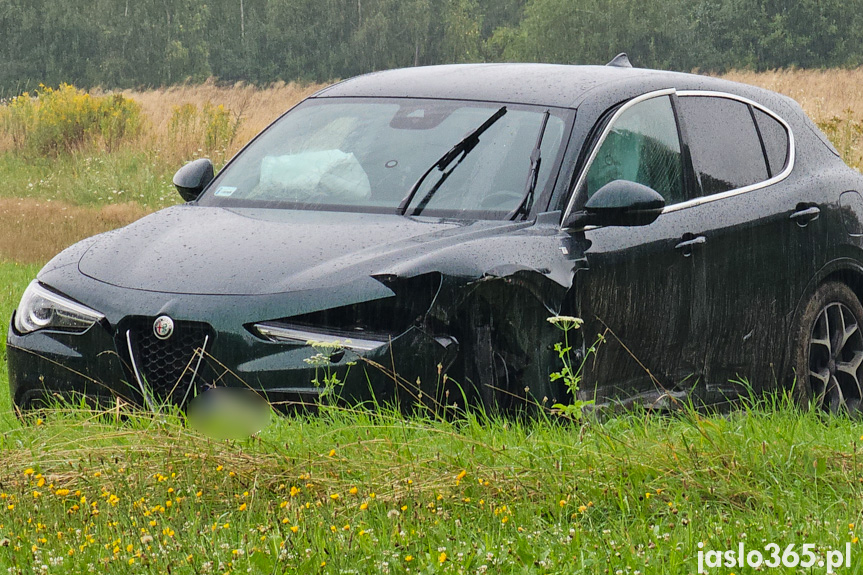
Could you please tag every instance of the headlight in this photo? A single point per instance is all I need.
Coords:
(41, 308)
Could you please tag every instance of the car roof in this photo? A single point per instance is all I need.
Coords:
(538, 84)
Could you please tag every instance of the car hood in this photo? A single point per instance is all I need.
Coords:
(203, 250)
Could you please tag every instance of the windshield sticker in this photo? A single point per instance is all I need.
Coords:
(225, 191)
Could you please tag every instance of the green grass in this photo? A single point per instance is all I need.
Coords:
(360, 492)
(91, 179)
(636, 493)
(14, 278)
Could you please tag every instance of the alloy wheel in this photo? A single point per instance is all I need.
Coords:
(835, 359)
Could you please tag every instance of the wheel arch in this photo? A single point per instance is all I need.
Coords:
(846, 271)
(504, 320)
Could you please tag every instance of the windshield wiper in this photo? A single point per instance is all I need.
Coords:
(462, 149)
(535, 162)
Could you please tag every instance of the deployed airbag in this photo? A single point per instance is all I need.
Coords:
(299, 176)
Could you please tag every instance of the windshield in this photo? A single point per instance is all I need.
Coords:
(348, 154)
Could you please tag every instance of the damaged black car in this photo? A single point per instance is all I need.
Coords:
(408, 234)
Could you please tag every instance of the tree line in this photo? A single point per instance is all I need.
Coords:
(140, 43)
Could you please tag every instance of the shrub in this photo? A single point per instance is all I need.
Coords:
(209, 129)
(54, 121)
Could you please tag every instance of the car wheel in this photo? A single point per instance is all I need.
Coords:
(828, 351)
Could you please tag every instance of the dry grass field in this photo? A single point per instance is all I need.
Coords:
(832, 98)
(32, 231)
(251, 108)
(824, 94)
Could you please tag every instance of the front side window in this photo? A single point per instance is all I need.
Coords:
(356, 154)
(643, 146)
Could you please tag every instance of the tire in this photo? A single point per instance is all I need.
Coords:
(828, 351)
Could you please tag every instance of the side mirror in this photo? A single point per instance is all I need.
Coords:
(619, 203)
(191, 179)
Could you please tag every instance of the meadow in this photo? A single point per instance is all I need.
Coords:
(358, 491)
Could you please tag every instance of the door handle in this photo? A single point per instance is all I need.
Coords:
(688, 244)
(804, 216)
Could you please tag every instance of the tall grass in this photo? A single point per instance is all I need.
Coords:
(34, 231)
(371, 492)
(185, 121)
(355, 491)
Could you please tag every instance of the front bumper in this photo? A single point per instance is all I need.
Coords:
(96, 365)
(110, 359)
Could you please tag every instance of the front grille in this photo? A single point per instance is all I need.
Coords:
(167, 366)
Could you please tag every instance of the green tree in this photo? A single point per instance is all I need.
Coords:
(462, 34)
(122, 43)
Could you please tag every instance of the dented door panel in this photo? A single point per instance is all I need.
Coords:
(637, 292)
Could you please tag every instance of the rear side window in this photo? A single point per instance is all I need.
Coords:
(642, 146)
(724, 144)
(775, 138)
